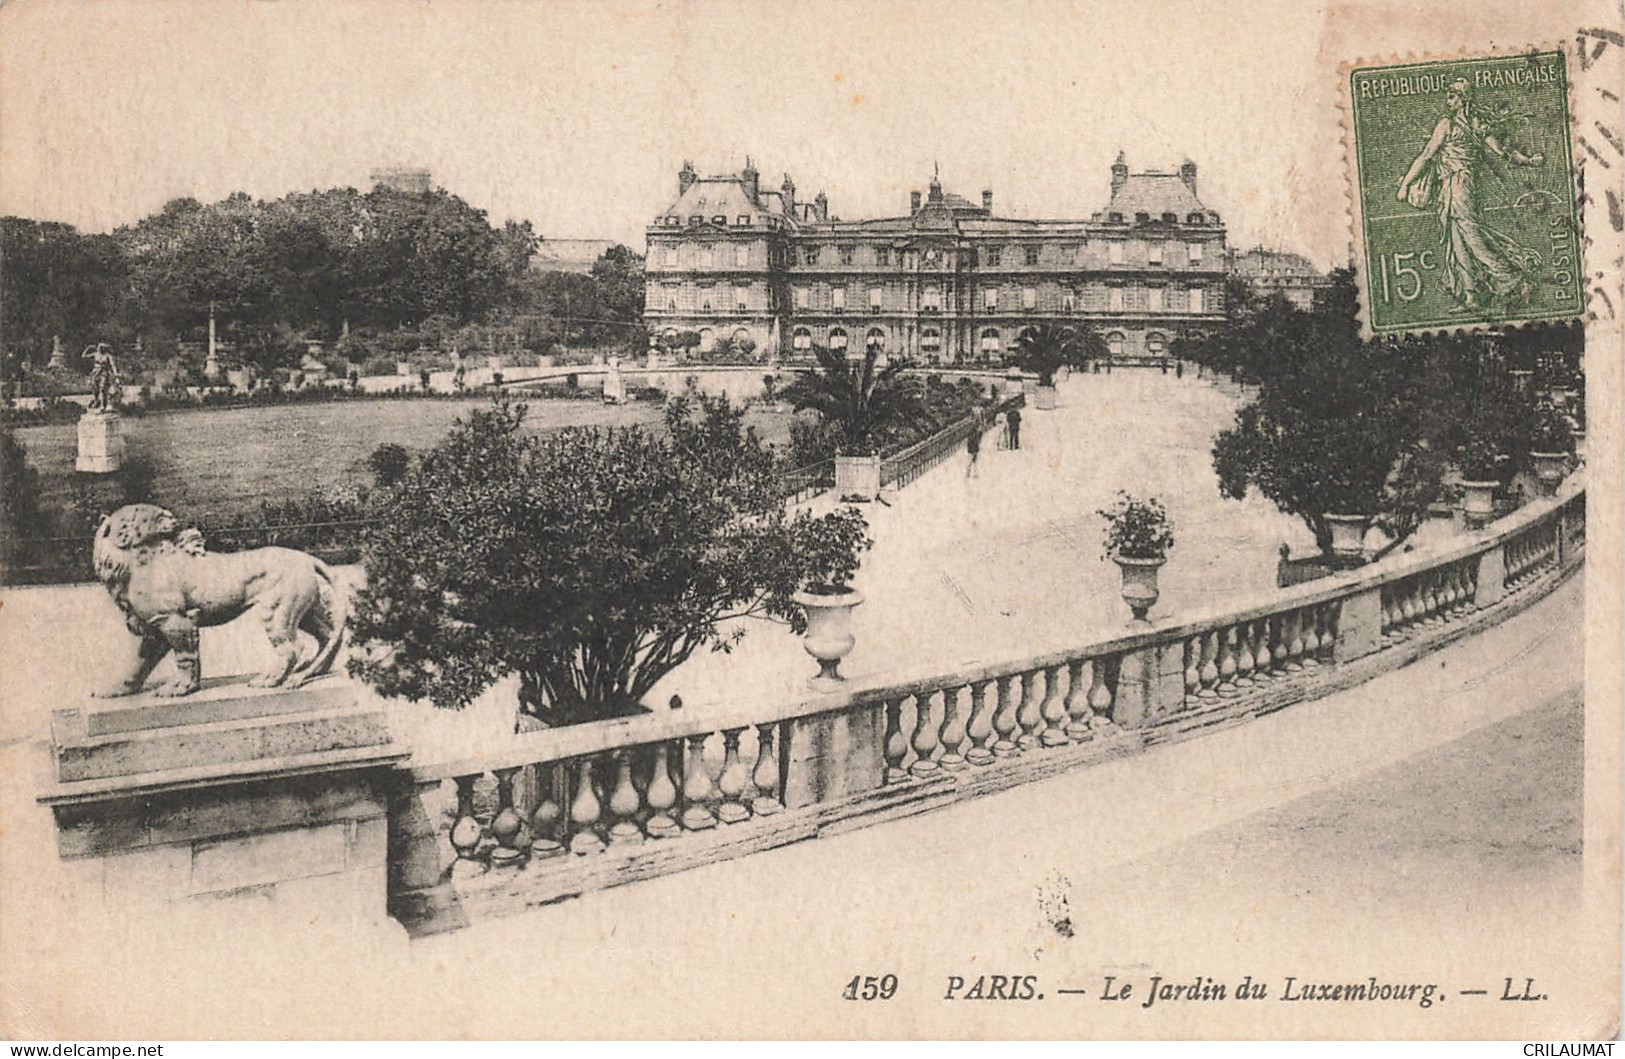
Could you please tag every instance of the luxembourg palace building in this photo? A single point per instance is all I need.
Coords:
(950, 279)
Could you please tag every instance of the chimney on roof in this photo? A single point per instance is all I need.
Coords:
(821, 203)
(913, 202)
(1187, 173)
(751, 180)
(1119, 173)
(788, 190)
(987, 199)
(685, 178)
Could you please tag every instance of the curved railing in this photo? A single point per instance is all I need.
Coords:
(914, 461)
(656, 792)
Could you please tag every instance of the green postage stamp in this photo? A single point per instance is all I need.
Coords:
(1464, 193)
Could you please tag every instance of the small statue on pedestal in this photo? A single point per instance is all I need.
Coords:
(104, 377)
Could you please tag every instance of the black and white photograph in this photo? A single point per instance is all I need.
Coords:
(733, 520)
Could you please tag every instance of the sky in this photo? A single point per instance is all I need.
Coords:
(577, 116)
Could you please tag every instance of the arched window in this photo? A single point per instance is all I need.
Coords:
(740, 336)
(801, 339)
(837, 338)
(875, 340)
(990, 341)
(1156, 343)
(708, 340)
(931, 298)
(930, 340)
(1114, 343)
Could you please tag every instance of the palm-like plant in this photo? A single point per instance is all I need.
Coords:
(1046, 348)
(860, 401)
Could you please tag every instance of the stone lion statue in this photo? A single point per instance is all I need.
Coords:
(168, 587)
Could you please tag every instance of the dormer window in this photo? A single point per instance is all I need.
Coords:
(673, 221)
(1195, 218)
(696, 218)
(720, 218)
(1114, 217)
(846, 255)
(1142, 218)
(809, 255)
(993, 256)
(1169, 218)
(743, 220)
(1032, 255)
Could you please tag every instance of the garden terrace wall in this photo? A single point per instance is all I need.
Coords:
(559, 812)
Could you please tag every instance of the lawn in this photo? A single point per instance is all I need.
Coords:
(220, 463)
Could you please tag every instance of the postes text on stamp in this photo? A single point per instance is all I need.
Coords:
(1464, 192)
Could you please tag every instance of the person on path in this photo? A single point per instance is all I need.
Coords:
(1012, 422)
(973, 443)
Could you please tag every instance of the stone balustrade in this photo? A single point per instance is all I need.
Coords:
(561, 811)
(909, 464)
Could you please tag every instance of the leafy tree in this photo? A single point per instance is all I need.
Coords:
(590, 563)
(57, 281)
(857, 401)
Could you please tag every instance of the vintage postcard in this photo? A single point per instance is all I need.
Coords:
(874, 520)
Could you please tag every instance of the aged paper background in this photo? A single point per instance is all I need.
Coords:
(107, 109)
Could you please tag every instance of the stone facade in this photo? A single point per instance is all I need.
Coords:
(1270, 272)
(951, 279)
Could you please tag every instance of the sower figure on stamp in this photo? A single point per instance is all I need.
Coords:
(1480, 262)
(103, 376)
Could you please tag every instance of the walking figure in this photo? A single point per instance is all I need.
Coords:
(973, 443)
(1012, 424)
(103, 376)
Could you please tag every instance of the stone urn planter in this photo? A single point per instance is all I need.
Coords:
(1044, 398)
(1139, 584)
(857, 477)
(1550, 467)
(1348, 535)
(1478, 501)
(829, 632)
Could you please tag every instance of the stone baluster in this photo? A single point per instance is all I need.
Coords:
(1262, 658)
(1430, 598)
(980, 729)
(1076, 703)
(697, 788)
(1004, 720)
(1051, 711)
(765, 776)
(1100, 692)
(1245, 659)
(735, 777)
(896, 745)
(624, 803)
(585, 811)
(1308, 626)
(1193, 668)
(1406, 590)
(1227, 663)
(925, 737)
(507, 826)
(1028, 716)
(548, 815)
(1331, 613)
(662, 795)
(1209, 671)
(1390, 614)
(1291, 641)
(466, 832)
(953, 731)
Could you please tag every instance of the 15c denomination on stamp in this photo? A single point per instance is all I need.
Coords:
(1464, 192)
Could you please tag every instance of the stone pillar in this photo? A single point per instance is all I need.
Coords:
(231, 803)
(834, 755)
(59, 359)
(101, 443)
(211, 365)
(1359, 626)
(1150, 684)
(1492, 575)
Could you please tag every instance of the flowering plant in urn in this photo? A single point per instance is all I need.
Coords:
(828, 550)
(1138, 536)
